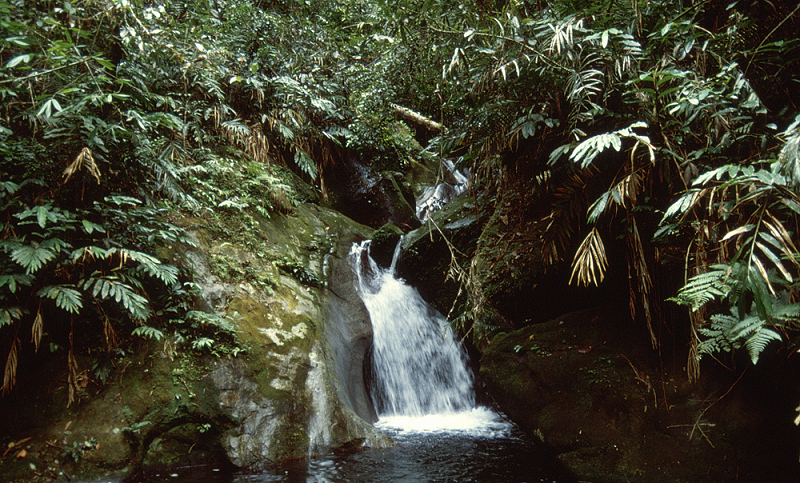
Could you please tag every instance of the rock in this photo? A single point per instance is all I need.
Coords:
(371, 197)
(384, 244)
(288, 382)
(425, 259)
(583, 384)
(300, 389)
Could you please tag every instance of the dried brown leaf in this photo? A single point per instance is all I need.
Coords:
(37, 329)
(10, 373)
(590, 262)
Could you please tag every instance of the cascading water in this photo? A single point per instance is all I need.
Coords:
(419, 366)
(421, 380)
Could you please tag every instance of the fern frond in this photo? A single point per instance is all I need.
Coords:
(66, 297)
(705, 287)
(757, 342)
(728, 332)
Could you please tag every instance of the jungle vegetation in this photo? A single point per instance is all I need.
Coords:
(669, 128)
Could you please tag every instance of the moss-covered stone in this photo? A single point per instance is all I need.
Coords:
(583, 384)
(279, 398)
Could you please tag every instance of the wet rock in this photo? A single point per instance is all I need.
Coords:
(585, 385)
(371, 197)
(384, 243)
(436, 196)
(288, 383)
(426, 251)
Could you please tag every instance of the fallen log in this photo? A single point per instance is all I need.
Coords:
(417, 118)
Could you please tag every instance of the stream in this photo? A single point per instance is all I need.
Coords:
(424, 394)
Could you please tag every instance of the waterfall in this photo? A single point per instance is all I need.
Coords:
(419, 366)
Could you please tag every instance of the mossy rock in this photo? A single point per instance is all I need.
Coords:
(585, 385)
(278, 398)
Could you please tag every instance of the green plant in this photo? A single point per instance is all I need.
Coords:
(78, 448)
(61, 257)
(749, 216)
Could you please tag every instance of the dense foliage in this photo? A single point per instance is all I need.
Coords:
(670, 128)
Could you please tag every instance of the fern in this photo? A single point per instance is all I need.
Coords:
(202, 343)
(66, 297)
(705, 287)
(727, 332)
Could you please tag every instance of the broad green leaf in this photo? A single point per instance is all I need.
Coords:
(15, 280)
(8, 315)
(66, 298)
(49, 108)
(148, 333)
(18, 60)
(90, 227)
(32, 258)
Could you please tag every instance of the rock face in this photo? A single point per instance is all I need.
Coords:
(371, 197)
(299, 390)
(292, 386)
(584, 385)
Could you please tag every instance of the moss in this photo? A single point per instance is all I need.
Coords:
(163, 391)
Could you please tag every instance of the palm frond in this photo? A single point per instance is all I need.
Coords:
(10, 372)
(590, 261)
(84, 158)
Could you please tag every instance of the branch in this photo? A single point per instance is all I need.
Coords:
(416, 117)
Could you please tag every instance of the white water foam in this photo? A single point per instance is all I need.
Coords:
(478, 421)
(422, 382)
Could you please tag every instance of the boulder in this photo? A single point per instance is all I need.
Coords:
(585, 384)
(286, 383)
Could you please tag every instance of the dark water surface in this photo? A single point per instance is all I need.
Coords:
(497, 452)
